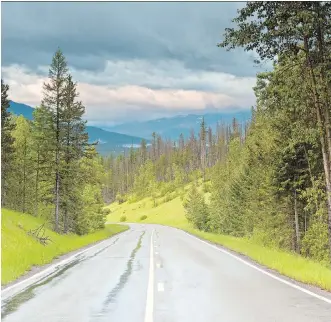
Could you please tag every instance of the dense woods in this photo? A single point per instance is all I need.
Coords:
(166, 165)
(48, 167)
(293, 119)
(269, 180)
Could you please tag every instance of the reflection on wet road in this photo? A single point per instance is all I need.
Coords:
(153, 273)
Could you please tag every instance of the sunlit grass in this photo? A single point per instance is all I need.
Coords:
(172, 213)
(20, 252)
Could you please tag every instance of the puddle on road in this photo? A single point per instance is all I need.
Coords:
(124, 277)
(13, 303)
(102, 249)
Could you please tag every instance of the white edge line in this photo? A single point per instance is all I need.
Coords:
(150, 289)
(263, 271)
(51, 268)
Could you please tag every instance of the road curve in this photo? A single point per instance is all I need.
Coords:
(153, 273)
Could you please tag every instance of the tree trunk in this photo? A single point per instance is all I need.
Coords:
(57, 162)
(65, 221)
(57, 200)
(24, 176)
(323, 138)
(37, 183)
(296, 221)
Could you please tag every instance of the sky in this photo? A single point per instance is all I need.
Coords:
(132, 61)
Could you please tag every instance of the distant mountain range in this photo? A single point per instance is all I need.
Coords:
(172, 127)
(121, 137)
(108, 141)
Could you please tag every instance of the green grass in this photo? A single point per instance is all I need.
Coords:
(172, 213)
(20, 252)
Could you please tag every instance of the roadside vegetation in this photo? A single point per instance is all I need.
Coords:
(20, 251)
(48, 168)
(51, 176)
(269, 180)
(262, 188)
(172, 213)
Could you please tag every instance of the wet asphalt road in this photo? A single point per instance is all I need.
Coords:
(153, 273)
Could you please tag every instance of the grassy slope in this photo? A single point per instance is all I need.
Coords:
(172, 213)
(19, 252)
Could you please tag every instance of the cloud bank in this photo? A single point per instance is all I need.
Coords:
(131, 60)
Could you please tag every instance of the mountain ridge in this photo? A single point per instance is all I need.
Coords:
(109, 141)
(172, 127)
(118, 138)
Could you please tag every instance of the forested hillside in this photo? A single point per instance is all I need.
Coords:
(269, 180)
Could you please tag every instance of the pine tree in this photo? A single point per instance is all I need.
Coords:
(203, 147)
(75, 140)
(7, 126)
(20, 191)
(90, 217)
(143, 151)
(43, 138)
(54, 94)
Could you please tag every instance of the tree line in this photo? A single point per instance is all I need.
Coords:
(270, 180)
(165, 165)
(276, 187)
(48, 167)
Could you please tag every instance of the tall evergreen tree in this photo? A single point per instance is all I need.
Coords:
(7, 126)
(43, 153)
(75, 140)
(21, 188)
(54, 95)
(203, 154)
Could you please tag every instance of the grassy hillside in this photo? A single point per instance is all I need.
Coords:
(172, 213)
(20, 252)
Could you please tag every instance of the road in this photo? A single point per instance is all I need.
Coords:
(153, 273)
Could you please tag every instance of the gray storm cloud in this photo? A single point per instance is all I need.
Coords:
(91, 33)
(129, 58)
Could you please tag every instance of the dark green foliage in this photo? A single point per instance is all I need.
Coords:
(53, 172)
(20, 192)
(54, 102)
(120, 199)
(296, 98)
(106, 211)
(7, 126)
(197, 209)
(74, 143)
(143, 217)
(123, 218)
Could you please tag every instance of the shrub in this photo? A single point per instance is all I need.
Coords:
(105, 211)
(123, 218)
(167, 197)
(143, 217)
(132, 199)
(206, 187)
(315, 242)
(155, 203)
(182, 195)
(196, 209)
(120, 199)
